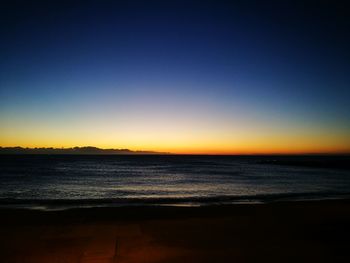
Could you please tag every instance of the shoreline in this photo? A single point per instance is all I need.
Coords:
(144, 212)
(215, 206)
(67, 204)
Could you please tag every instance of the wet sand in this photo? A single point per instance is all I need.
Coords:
(313, 231)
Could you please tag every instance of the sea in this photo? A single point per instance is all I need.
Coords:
(74, 181)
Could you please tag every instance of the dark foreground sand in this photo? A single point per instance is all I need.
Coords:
(317, 231)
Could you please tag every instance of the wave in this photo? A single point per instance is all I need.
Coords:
(52, 204)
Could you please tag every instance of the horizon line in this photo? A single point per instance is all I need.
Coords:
(125, 151)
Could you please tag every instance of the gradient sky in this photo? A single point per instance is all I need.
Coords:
(178, 76)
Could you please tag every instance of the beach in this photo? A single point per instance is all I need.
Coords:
(303, 231)
(174, 131)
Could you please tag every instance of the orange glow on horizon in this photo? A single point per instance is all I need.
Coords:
(241, 150)
(179, 136)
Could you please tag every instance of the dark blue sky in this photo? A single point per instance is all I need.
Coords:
(282, 62)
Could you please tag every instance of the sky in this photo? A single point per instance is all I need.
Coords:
(220, 77)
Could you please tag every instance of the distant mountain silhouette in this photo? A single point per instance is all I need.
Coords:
(74, 150)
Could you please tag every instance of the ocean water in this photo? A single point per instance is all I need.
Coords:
(52, 181)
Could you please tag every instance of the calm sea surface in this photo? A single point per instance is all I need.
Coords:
(70, 181)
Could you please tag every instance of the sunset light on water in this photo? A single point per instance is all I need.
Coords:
(174, 131)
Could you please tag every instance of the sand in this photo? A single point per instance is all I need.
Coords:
(313, 231)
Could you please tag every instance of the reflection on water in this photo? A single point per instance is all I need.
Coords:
(163, 179)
